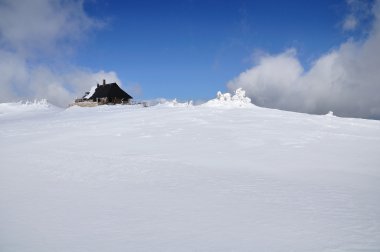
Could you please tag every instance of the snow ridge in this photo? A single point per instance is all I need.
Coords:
(174, 103)
(17, 107)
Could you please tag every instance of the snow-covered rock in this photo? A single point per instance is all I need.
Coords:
(238, 100)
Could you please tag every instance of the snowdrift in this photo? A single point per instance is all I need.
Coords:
(173, 103)
(22, 107)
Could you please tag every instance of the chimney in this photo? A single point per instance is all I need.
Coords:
(104, 82)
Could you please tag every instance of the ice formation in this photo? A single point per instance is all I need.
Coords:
(238, 100)
(330, 113)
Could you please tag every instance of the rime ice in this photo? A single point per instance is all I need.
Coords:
(238, 100)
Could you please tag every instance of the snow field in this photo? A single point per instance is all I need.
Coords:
(188, 178)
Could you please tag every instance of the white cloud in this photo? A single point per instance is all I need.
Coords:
(345, 80)
(135, 89)
(359, 10)
(350, 23)
(43, 25)
(32, 31)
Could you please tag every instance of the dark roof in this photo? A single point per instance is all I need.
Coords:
(111, 90)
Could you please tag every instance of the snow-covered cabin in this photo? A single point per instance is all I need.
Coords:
(105, 94)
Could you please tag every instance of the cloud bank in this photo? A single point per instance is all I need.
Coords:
(345, 80)
(359, 11)
(36, 39)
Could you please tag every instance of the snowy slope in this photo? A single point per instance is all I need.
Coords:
(188, 178)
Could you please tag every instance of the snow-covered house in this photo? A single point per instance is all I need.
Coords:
(105, 94)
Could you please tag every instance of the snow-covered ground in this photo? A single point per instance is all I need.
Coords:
(187, 178)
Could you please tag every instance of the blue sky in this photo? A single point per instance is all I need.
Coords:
(304, 56)
(191, 49)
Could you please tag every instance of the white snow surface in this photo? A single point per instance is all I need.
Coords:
(187, 178)
(91, 92)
